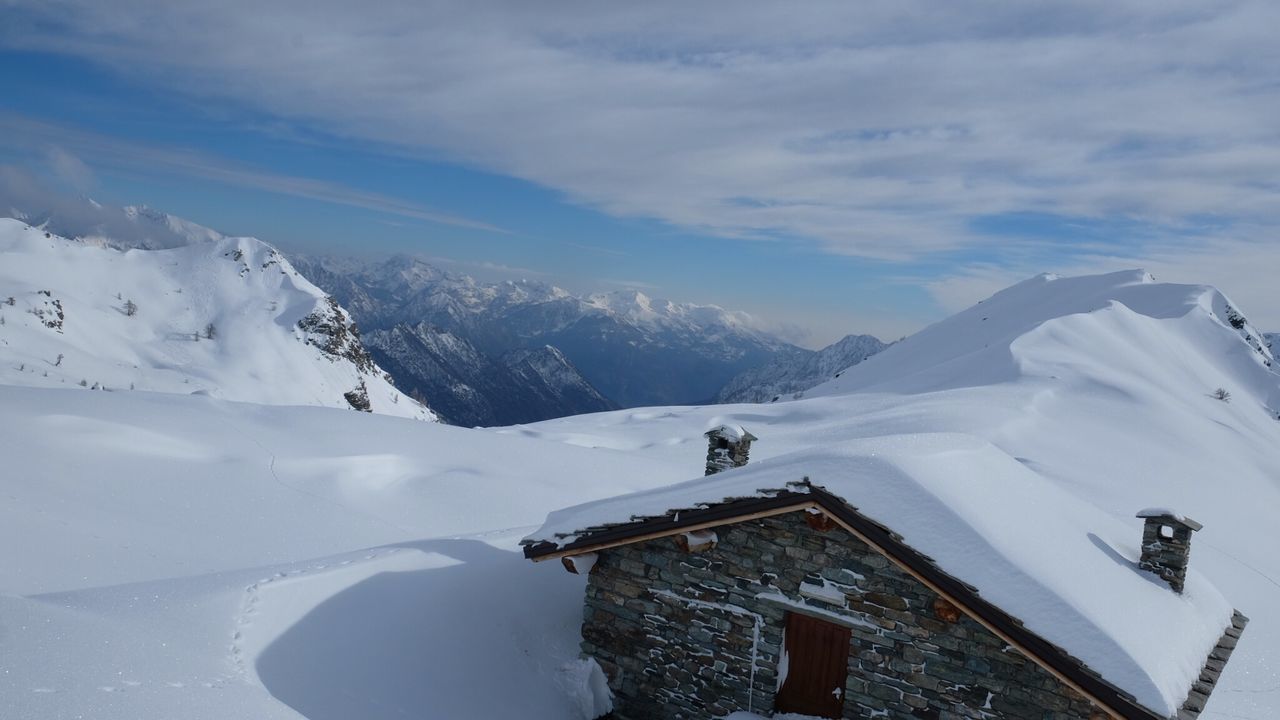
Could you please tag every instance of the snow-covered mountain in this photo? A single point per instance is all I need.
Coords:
(225, 317)
(184, 556)
(985, 344)
(635, 350)
(86, 220)
(469, 388)
(152, 223)
(789, 375)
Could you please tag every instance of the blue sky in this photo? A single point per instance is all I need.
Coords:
(867, 168)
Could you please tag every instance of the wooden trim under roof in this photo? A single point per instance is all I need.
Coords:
(1052, 658)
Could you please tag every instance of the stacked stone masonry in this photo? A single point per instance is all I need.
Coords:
(725, 454)
(688, 636)
(1166, 550)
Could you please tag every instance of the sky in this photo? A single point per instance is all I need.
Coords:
(834, 167)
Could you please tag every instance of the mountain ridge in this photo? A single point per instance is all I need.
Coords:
(226, 317)
(785, 377)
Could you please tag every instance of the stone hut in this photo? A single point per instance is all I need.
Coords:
(818, 596)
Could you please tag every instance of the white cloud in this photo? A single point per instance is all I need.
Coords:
(21, 133)
(70, 169)
(877, 129)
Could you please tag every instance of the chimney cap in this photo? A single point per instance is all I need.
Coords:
(735, 433)
(1169, 516)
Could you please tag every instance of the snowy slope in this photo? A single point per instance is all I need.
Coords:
(788, 375)
(182, 556)
(177, 556)
(276, 339)
(1006, 337)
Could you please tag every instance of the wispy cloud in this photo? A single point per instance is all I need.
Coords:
(26, 195)
(70, 169)
(629, 284)
(877, 129)
(22, 133)
(599, 250)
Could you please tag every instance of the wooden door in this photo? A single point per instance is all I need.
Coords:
(817, 665)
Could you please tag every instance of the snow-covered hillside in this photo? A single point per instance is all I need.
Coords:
(226, 317)
(177, 556)
(171, 556)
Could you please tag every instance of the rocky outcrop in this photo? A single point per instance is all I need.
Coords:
(330, 329)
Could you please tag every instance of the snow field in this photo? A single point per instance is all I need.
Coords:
(140, 532)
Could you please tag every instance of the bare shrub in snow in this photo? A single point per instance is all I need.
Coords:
(1221, 394)
(130, 308)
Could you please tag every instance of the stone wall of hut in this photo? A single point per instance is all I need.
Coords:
(696, 635)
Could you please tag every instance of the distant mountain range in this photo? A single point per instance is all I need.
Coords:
(783, 377)
(468, 387)
(499, 353)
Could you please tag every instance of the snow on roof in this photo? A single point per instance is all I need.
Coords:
(1059, 564)
(730, 432)
(1159, 512)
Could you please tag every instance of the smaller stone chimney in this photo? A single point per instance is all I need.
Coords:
(1166, 545)
(727, 447)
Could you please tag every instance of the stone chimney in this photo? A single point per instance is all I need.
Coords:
(727, 447)
(1166, 545)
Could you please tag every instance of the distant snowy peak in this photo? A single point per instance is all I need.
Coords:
(92, 223)
(193, 232)
(787, 376)
(227, 317)
(1111, 323)
(644, 311)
